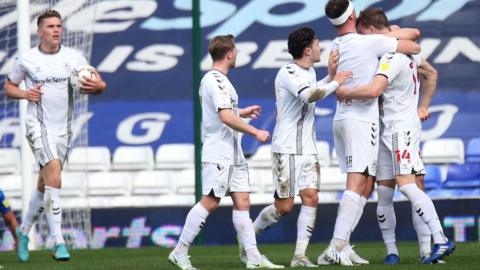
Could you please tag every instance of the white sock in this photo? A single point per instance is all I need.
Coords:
(386, 218)
(305, 225)
(267, 217)
(423, 234)
(244, 227)
(35, 208)
(193, 224)
(53, 209)
(363, 202)
(425, 209)
(347, 214)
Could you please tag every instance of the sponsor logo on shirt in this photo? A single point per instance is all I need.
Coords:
(51, 80)
(384, 67)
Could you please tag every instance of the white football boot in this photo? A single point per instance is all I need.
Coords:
(353, 256)
(332, 256)
(302, 261)
(264, 263)
(182, 262)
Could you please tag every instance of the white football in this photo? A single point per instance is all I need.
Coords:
(84, 72)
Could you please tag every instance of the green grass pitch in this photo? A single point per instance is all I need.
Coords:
(467, 256)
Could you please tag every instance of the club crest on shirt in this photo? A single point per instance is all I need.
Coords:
(67, 67)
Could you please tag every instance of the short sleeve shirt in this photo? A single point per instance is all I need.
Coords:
(51, 114)
(221, 144)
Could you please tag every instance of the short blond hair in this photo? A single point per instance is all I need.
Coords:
(219, 46)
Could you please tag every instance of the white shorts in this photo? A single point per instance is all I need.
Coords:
(356, 143)
(294, 173)
(49, 147)
(222, 179)
(399, 154)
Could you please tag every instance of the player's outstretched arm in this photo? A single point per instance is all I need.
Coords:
(94, 85)
(404, 33)
(322, 91)
(408, 47)
(13, 91)
(236, 123)
(429, 86)
(372, 90)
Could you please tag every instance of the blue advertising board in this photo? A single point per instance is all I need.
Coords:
(140, 227)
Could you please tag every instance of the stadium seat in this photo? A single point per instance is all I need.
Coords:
(332, 179)
(466, 176)
(109, 184)
(441, 151)
(152, 183)
(323, 149)
(11, 184)
(9, 161)
(74, 184)
(184, 181)
(473, 150)
(334, 159)
(89, 159)
(262, 157)
(175, 156)
(433, 177)
(133, 158)
(260, 180)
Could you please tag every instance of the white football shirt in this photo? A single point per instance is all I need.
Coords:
(221, 144)
(295, 123)
(360, 54)
(398, 109)
(52, 115)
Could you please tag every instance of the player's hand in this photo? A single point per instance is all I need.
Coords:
(423, 114)
(252, 111)
(394, 27)
(341, 77)
(333, 59)
(34, 93)
(341, 93)
(93, 85)
(262, 135)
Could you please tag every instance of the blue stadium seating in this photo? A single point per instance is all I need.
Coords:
(473, 150)
(466, 176)
(433, 178)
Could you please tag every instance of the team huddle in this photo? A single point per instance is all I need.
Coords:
(374, 71)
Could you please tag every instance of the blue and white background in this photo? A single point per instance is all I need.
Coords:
(143, 50)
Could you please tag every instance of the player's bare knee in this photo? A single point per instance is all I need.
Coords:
(309, 198)
(419, 179)
(54, 180)
(284, 206)
(210, 203)
(369, 187)
(405, 179)
(387, 183)
(40, 183)
(285, 209)
(356, 182)
(241, 201)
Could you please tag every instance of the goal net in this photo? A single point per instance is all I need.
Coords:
(76, 211)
